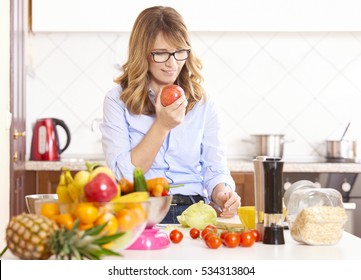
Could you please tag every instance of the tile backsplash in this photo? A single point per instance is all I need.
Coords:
(306, 86)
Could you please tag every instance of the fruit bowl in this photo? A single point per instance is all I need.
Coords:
(31, 198)
(129, 218)
(151, 238)
(159, 207)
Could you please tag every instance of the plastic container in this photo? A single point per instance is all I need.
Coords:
(315, 216)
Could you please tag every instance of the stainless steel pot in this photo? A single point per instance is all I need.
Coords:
(341, 149)
(268, 144)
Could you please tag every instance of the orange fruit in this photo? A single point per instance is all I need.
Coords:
(65, 220)
(87, 213)
(127, 219)
(108, 245)
(139, 211)
(49, 210)
(112, 223)
(85, 226)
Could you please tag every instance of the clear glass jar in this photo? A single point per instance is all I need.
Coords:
(315, 216)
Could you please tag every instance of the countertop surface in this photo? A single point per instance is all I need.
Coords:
(235, 165)
(349, 247)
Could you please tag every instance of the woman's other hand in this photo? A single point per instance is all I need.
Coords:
(228, 200)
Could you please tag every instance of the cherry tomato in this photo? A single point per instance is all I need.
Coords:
(208, 230)
(194, 233)
(256, 234)
(213, 241)
(176, 236)
(247, 239)
(223, 236)
(211, 226)
(231, 239)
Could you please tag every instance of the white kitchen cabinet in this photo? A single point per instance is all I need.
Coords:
(200, 15)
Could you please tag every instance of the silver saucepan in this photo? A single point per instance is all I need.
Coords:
(268, 144)
(341, 149)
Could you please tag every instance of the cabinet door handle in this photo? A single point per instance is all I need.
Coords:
(17, 134)
(15, 157)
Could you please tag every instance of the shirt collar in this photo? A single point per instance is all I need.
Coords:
(151, 95)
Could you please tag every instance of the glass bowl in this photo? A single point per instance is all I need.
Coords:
(31, 198)
(159, 207)
(129, 218)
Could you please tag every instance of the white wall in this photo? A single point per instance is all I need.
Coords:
(4, 115)
(305, 85)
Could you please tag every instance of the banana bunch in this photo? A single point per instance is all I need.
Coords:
(62, 189)
(72, 189)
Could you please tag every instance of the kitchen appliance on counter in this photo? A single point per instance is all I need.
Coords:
(268, 199)
(45, 144)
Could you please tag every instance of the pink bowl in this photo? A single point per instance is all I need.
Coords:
(151, 239)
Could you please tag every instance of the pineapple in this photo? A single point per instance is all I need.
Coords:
(35, 237)
(27, 236)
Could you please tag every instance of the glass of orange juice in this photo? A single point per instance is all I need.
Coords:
(247, 215)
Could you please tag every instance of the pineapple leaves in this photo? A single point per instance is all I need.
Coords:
(75, 244)
(107, 238)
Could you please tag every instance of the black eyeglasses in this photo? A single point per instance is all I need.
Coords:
(161, 57)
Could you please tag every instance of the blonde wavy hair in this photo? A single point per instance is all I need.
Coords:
(135, 76)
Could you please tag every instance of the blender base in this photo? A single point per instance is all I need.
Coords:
(150, 239)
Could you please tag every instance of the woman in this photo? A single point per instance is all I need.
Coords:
(180, 142)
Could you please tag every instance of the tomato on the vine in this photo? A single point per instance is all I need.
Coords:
(231, 239)
(213, 241)
(176, 236)
(247, 239)
(211, 226)
(206, 231)
(223, 236)
(194, 233)
(256, 234)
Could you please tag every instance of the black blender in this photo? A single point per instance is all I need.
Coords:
(268, 198)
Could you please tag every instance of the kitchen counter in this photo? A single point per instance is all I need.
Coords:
(235, 165)
(349, 247)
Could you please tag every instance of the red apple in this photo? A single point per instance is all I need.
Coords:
(102, 188)
(170, 93)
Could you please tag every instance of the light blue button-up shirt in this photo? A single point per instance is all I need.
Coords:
(192, 153)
